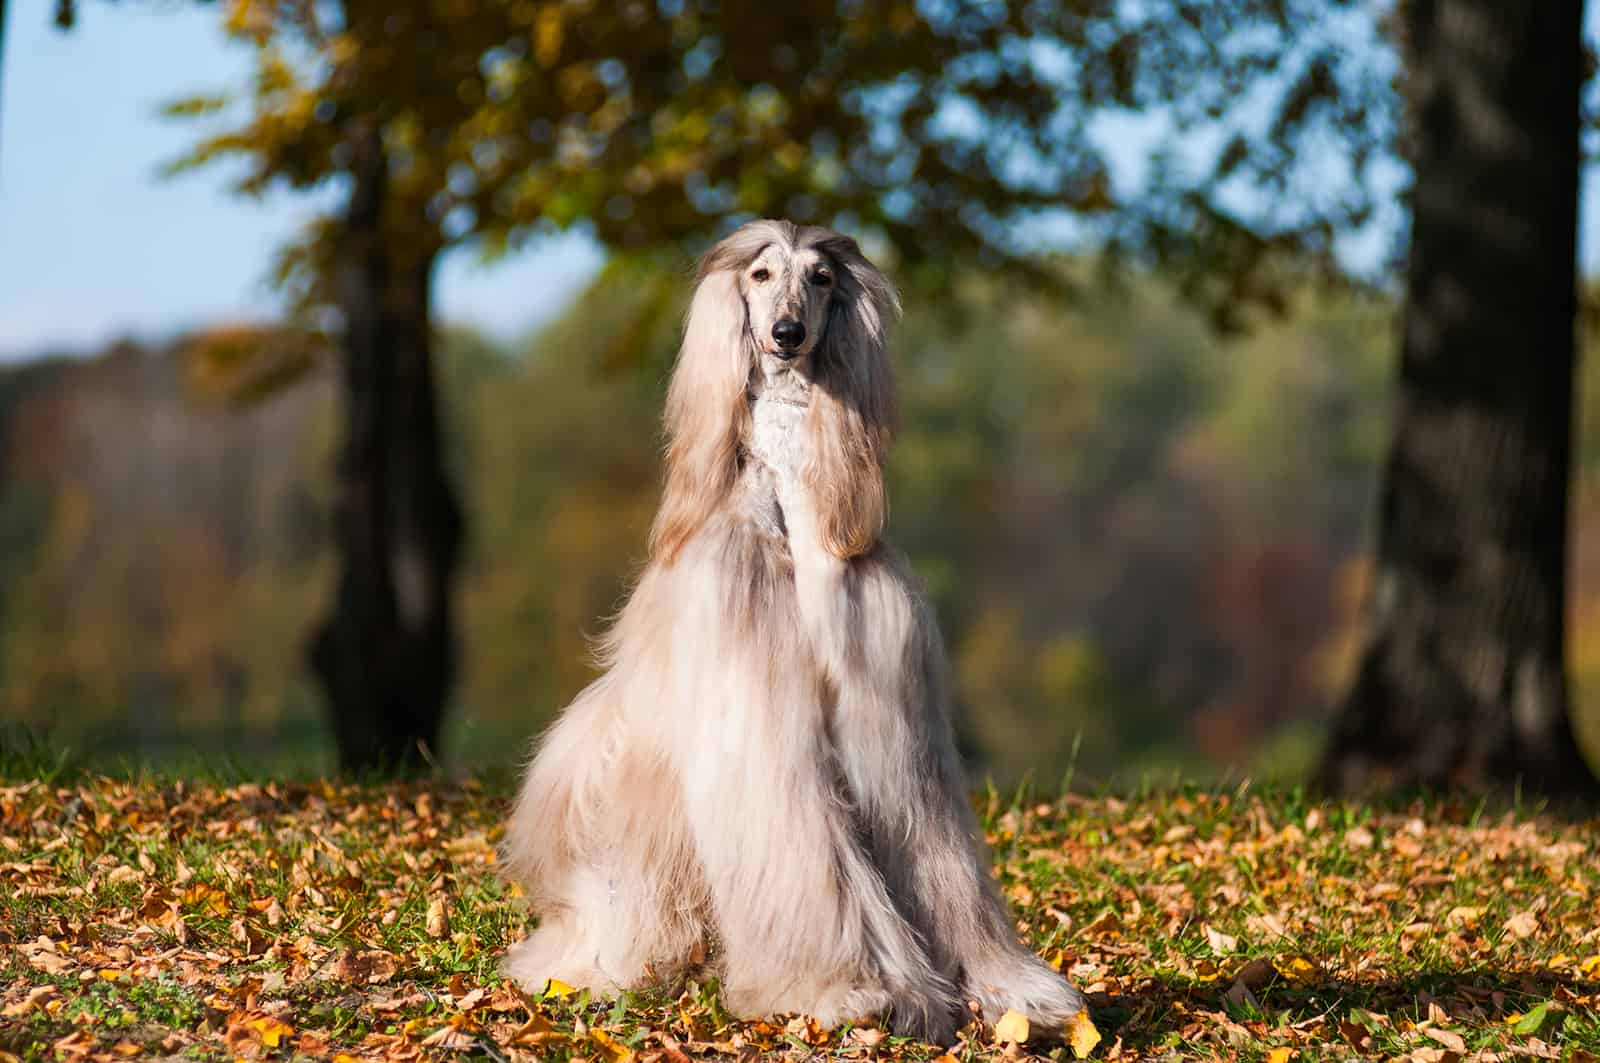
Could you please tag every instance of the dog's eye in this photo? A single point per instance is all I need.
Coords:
(761, 276)
(822, 277)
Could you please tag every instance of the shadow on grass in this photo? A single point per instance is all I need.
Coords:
(1167, 1010)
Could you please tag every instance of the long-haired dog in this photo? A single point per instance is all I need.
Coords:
(767, 761)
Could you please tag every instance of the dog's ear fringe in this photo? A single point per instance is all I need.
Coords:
(853, 408)
(705, 414)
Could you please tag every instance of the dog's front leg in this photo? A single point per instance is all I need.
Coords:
(878, 643)
(805, 921)
(821, 579)
(891, 721)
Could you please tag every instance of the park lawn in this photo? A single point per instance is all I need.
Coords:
(157, 917)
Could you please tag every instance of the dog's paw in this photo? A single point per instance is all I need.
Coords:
(1027, 985)
(546, 955)
(830, 1005)
(927, 1016)
(934, 1019)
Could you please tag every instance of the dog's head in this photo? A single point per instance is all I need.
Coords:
(776, 297)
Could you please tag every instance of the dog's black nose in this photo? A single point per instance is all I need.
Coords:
(789, 333)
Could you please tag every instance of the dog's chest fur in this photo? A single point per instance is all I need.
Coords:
(775, 451)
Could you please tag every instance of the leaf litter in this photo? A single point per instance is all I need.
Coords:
(276, 921)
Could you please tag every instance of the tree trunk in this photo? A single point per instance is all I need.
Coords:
(385, 655)
(1462, 679)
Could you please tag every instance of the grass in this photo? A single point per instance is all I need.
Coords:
(221, 919)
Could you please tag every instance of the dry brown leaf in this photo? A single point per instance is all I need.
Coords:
(671, 1049)
(1523, 925)
(37, 997)
(450, 1038)
(1356, 1034)
(1222, 944)
(365, 968)
(439, 917)
(45, 955)
(868, 1036)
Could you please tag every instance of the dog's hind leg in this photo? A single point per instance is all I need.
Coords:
(598, 840)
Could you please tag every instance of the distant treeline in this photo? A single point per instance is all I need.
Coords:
(1147, 545)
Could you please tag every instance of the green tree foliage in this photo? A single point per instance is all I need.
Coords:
(1130, 570)
(952, 131)
(955, 136)
(943, 131)
(1147, 547)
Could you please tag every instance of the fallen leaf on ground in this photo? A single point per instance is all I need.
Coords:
(1082, 1034)
(1523, 925)
(1013, 1027)
(438, 918)
(1222, 944)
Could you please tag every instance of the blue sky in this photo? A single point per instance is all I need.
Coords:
(95, 244)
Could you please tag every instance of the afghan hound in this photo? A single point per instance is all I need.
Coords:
(766, 762)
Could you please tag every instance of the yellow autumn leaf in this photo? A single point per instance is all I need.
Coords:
(1296, 968)
(1280, 1055)
(557, 988)
(271, 1030)
(537, 1031)
(1082, 1035)
(613, 1050)
(1013, 1027)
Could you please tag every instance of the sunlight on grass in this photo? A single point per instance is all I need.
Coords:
(224, 919)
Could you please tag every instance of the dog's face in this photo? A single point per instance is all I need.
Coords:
(787, 293)
(799, 305)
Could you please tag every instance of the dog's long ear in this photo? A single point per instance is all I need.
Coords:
(705, 413)
(853, 412)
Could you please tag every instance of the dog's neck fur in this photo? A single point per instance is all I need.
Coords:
(779, 398)
(775, 448)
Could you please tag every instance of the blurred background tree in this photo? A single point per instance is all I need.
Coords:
(1463, 680)
(1145, 543)
(1157, 557)
(936, 130)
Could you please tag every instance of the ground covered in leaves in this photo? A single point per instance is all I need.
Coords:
(279, 921)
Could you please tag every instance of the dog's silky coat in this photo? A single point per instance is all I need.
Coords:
(767, 760)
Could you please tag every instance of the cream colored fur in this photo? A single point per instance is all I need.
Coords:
(767, 760)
